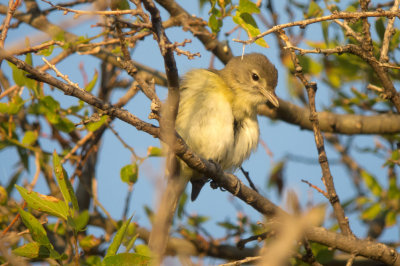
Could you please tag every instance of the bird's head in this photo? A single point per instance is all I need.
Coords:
(252, 77)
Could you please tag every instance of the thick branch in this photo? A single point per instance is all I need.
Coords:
(348, 124)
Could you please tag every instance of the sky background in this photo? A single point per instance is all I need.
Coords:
(281, 138)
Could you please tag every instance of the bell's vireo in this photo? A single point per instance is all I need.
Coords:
(217, 114)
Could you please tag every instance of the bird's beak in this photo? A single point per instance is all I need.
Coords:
(271, 97)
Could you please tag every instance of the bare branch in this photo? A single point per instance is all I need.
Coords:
(335, 15)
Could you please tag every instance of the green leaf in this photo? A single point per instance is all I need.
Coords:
(129, 244)
(325, 31)
(93, 261)
(43, 203)
(228, 225)
(63, 182)
(129, 173)
(197, 220)
(214, 23)
(49, 103)
(395, 41)
(323, 254)
(149, 212)
(93, 126)
(12, 107)
(372, 212)
(89, 87)
(390, 218)
(35, 228)
(181, 204)
(81, 220)
(47, 52)
(32, 250)
(202, 3)
(247, 22)
(3, 195)
(393, 191)
(59, 36)
(247, 6)
(154, 151)
(18, 75)
(380, 28)
(30, 83)
(371, 183)
(119, 4)
(119, 236)
(143, 250)
(310, 66)
(64, 124)
(314, 10)
(126, 259)
(89, 242)
(29, 138)
(3, 108)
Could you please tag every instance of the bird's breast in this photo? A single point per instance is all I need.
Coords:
(246, 134)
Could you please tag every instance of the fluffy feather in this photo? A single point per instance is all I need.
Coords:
(217, 112)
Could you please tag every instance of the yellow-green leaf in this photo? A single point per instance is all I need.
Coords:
(119, 236)
(247, 22)
(129, 173)
(93, 126)
(89, 87)
(371, 183)
(43, 203)
(143, 250)
(247, 6)
(314, 10)
(32, 250)
(35, 228)
(63, 182)
(154, 151)
(390, 218)
(29, 138)
(126, 259)
(371, 212)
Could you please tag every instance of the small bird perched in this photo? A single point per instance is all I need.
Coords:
(217, 114)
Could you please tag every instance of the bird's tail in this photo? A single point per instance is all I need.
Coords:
(197, 185)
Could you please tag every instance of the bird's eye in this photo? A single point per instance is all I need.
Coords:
(255, 77)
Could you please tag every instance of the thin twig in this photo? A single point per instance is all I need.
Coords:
(12, 6)
(59, 74)
(80, 143)
(388, 34)
(327, 178)
(240, 262)
(316, 188)
(349, 31)
(335, 15)
(66, 10)
(8, 91)
(246, 174)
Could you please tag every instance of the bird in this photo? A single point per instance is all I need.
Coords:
(217, 113)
